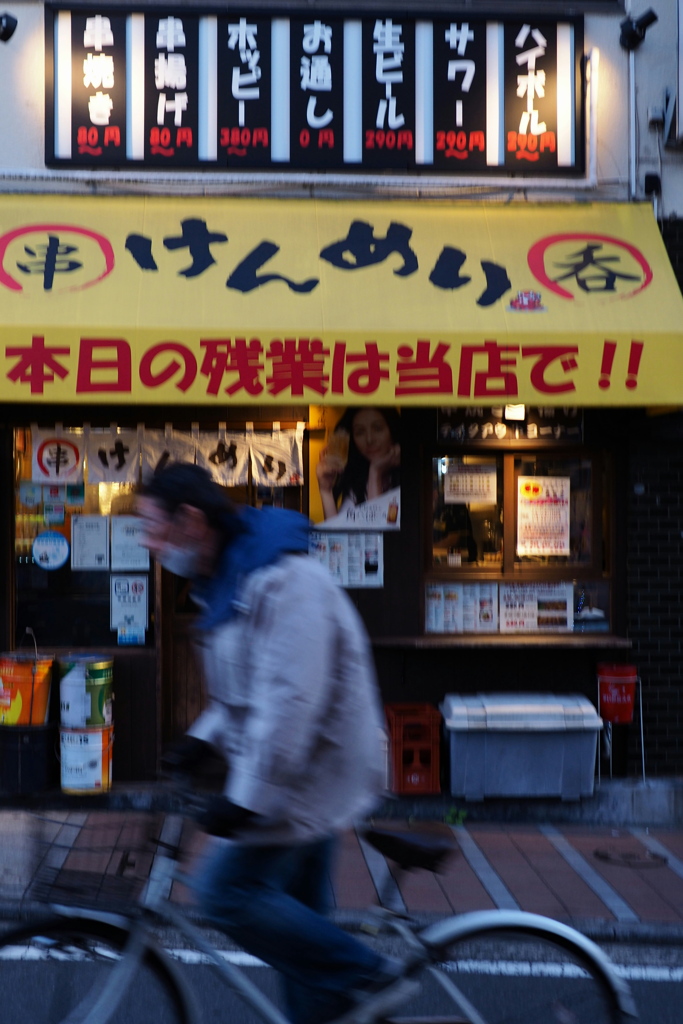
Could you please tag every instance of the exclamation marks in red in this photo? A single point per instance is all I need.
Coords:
(609, 351)
(634, 364)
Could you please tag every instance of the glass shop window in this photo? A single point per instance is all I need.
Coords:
(519, 542)
(467, 511)
(81, 577)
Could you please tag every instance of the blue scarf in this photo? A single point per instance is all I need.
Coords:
(264, 536)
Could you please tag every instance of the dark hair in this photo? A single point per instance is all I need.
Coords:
(181, 483)
(354, 479)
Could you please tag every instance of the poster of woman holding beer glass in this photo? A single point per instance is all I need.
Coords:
(359, 470)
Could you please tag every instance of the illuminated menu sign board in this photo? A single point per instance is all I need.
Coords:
(172, 88)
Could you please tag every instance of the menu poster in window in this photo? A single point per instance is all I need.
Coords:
(465, 484)
(353, 559)
(366, 560)
(129, 596)
(316, 104)
(461, 608)
(543, 515)
(127, 551)
(357, 470)
(453, 607)
(331, 550)
(480, 608)
(89, 542)
(536, 607)
(434, 620)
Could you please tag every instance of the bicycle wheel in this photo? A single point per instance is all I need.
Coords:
(512, 974)
(54, 971)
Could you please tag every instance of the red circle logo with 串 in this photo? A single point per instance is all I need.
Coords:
(53, 255)
(58, 458)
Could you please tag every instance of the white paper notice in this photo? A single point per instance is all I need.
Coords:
(461, 608)
(89, 542)
(465, 484)
(543, 515)
(434, 608)
(453, 604)
(536, 607)
(126, 550)
(129, 602)
(480, 608)
(353, 559)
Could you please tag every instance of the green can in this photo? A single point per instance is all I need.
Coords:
(85, 691)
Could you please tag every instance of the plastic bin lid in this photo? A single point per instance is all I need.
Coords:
(519, 711)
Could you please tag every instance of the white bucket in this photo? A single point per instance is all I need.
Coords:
(72, 697)
(86, 759)
(85, 692)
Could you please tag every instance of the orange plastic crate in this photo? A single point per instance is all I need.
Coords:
(415, 747)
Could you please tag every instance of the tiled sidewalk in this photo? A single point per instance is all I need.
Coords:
(595, 877)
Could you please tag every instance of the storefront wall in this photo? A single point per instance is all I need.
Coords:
(648, 476)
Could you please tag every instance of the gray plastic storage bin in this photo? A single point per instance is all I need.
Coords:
(521, 744)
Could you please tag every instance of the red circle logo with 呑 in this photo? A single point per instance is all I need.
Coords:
(53, 258)
(579, 264)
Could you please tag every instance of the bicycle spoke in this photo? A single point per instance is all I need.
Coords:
(101, 1005)
(472, 1015)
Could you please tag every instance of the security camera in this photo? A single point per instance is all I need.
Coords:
(633, 31)
(7, 27)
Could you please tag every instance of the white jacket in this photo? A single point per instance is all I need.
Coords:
(293, 704)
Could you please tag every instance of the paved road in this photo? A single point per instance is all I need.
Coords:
(655, 974)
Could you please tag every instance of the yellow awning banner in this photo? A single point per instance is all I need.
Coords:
(217, 301)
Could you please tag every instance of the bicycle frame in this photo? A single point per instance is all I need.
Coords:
(426, 946)
(155, 906)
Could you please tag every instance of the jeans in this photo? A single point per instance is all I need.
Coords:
(272, 900)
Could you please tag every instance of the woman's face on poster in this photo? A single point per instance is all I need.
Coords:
(371, 434)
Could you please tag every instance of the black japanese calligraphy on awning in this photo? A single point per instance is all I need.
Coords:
(221, 301)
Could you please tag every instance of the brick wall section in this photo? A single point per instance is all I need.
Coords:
(655, 571)
(655, 597)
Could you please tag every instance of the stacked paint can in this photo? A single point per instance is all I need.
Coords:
(27, 738)
(25, 681)
(86, 733)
